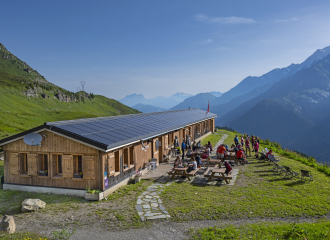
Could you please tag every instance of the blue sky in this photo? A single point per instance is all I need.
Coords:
(158, 48)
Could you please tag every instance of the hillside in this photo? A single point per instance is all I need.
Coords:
(147, 108)
(28, 99)
(198, 101)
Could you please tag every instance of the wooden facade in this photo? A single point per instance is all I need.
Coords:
(66, 163)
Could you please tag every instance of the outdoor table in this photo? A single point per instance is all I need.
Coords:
(179, 172)
(221, 175)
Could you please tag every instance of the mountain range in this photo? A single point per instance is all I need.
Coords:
(159, 103)
(293, 111)
(28, 99)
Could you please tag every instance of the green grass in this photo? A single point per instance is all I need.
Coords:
(213, 138)
(257, 192)
(279, 230)
(19, 113)
(114, 212)
(22, 236)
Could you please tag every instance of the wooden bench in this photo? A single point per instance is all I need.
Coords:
(193, 172)
(210, 173)
(182, 172)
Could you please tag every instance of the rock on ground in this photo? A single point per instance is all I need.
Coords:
(29, 205)
(8, 224)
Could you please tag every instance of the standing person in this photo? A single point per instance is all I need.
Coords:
(242, 140)
(247, 145)
(221, 151)
(176, 142)
(236, 140)
(256, 148)
(198, 160)
(183, 147)
(257, 139)
(252, 141)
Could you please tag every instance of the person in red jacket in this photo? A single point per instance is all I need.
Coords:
(256, 148)
(240, 155)
(269, 153)
(228, 168)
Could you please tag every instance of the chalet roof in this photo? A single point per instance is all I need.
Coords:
(111, 132)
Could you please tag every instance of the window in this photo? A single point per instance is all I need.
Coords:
(126, 158)
(57, 165)
(42, 164)
(77, 167)
(117, 162)
(23, 164)
(131, 155)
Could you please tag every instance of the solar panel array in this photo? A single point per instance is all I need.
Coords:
(119, 130)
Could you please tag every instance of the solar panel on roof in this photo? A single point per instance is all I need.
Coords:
(72, 129)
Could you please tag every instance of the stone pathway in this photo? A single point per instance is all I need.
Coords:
(149, 204)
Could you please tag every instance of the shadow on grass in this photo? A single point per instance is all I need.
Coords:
(263, 171)
(264, 165)
(291, 184)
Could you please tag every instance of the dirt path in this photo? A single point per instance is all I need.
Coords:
(164, 230)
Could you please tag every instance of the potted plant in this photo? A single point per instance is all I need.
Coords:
(43, 173)
(219, 164)
(185, 164)
(93, 195)
(78, 175)
(137, 177)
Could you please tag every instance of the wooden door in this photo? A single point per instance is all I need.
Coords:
(88, 167)
(32, 164)
(14, 160)
(111, 163)
(67, 166)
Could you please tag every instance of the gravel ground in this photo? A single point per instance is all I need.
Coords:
(164, 230)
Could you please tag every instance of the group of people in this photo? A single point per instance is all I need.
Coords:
(193, 165)
(247, 141)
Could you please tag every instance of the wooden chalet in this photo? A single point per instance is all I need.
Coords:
(100, 153)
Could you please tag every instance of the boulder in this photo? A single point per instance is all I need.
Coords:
(29, 205)
(7, 224)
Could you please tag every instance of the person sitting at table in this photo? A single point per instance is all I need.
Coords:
(178, 162)
(193, 165)
(228, 168)
(198, 160)
(199, 144)
(221, 151)
(207, 152)
(189, 152)
(241, 155)
(194, 146)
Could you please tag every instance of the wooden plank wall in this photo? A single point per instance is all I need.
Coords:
(52, 144)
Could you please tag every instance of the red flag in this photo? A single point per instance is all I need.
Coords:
(208, 107)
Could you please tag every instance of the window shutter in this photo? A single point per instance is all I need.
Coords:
(32, 164)
(14, 163)
(88, 167)
(67, 166)
(111, 166)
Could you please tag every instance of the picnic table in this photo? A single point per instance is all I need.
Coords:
(182, 172)
(211, 173)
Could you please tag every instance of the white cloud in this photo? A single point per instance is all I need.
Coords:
(287, 20)
(224, 20)
(207, 41)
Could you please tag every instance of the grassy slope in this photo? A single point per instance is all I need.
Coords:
(258, 192)
(19, 113)
(279, 230)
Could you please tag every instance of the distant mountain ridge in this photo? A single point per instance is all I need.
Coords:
(294, 111)
(160, 101)
(198, 101)
(147, 108)
(275, 75)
